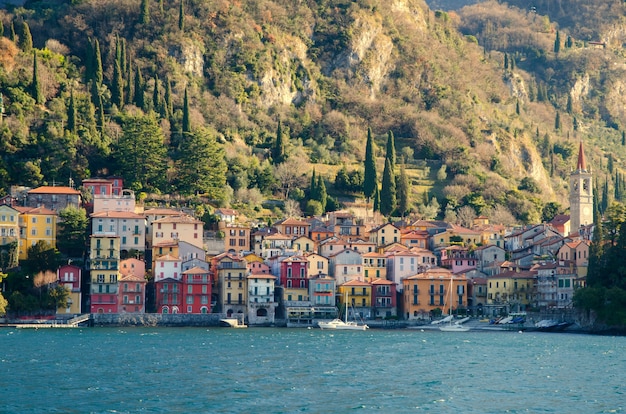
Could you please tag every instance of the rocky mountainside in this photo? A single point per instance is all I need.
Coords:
(478, 123)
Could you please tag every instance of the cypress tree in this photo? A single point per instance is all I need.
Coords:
(391, 151)
(557, 121)
(278, 151)
(388, 191)
(186, 117)
(517, 110)
(376, 199)
(557, 43)
(568, 42)
(156, 96)
(369, 176)
(128, 85)
(95, 93)
(117, 86)
(506, 61)
(98, 76)
(26, 39)
(35, 86)
(139, 92)
(181, 16)
(145, 12)
(313, 191)
(403, 191)
(71, 114)
(623, 138)
(168, 98)
(1, 29)
(512, 63)
(568, 107)
(12, 35)
(100, 115)
(322, 195)
(161, 7)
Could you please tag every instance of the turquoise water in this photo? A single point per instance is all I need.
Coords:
(266, 370)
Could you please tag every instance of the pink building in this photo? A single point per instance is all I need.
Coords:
(384, 302)
(69, 276)
(132, 286)
(458, 259)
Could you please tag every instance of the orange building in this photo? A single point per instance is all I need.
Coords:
(430, 290)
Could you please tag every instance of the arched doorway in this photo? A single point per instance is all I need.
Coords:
(261, 312)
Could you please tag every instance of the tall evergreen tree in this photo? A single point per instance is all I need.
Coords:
(278, 150)
(139, 90)
(181, 16)
(100, 120)
(145, 12)
(623, 138)
(391, 151)
(98, 73)
(376, 199)
(403, 191)
(1, 29)
(117, 86)
(12, 35)
(156, 96)
(557, 42)
(569, 105)
(201, 167)
(517, 110)
(71, 113)
(161, 9)
(388, 191)
(506, 61)
(169, 108)
(557, 121)
(25, 39)
(186, 115)
(569, 43)
(128, 85)
(313, 192)
(35, 86)
(605, 196)
(369, 176)
(322, 195)
(140, 154)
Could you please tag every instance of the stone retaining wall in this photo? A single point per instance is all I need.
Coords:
(156, 319)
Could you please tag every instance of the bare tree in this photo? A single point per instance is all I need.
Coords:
(288, 175)
(465, 216)
(292, 208)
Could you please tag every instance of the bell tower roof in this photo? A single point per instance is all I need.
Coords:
(582, 163)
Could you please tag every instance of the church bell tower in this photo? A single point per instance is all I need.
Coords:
(581, 194)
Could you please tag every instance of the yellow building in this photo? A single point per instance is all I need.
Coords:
(231, 273)
(182, 227)
(510, 291)
(359, 297)
(104, 258)
(296, 294)
(36, 224)
(374, 266)
(9, 233)
(430, 290)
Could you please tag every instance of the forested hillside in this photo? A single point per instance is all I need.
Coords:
(181, 97)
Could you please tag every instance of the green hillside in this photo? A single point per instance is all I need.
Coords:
(112, 77)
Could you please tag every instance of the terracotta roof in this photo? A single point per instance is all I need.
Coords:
(165, 243)
(117, 214)
(261, 276)
(183, 218)
(382, 282)
(355, 282)
(167, 258)
(195, 271)
(54, 190)
(36, 210)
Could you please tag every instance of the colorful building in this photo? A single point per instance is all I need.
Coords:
(196, 286)
(69, 276)
(36, 224)
(132, 286)
(104, 260)
(384, 304)
(359, 296)
(430, 290)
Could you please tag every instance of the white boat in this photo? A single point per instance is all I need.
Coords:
(444, 320)
(452, 326)
(344, 325)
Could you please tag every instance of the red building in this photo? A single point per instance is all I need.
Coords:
(294, 272)
(384, 301)
(169, 295)
(196, 285)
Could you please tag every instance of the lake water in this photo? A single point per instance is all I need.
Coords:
(268, 370)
